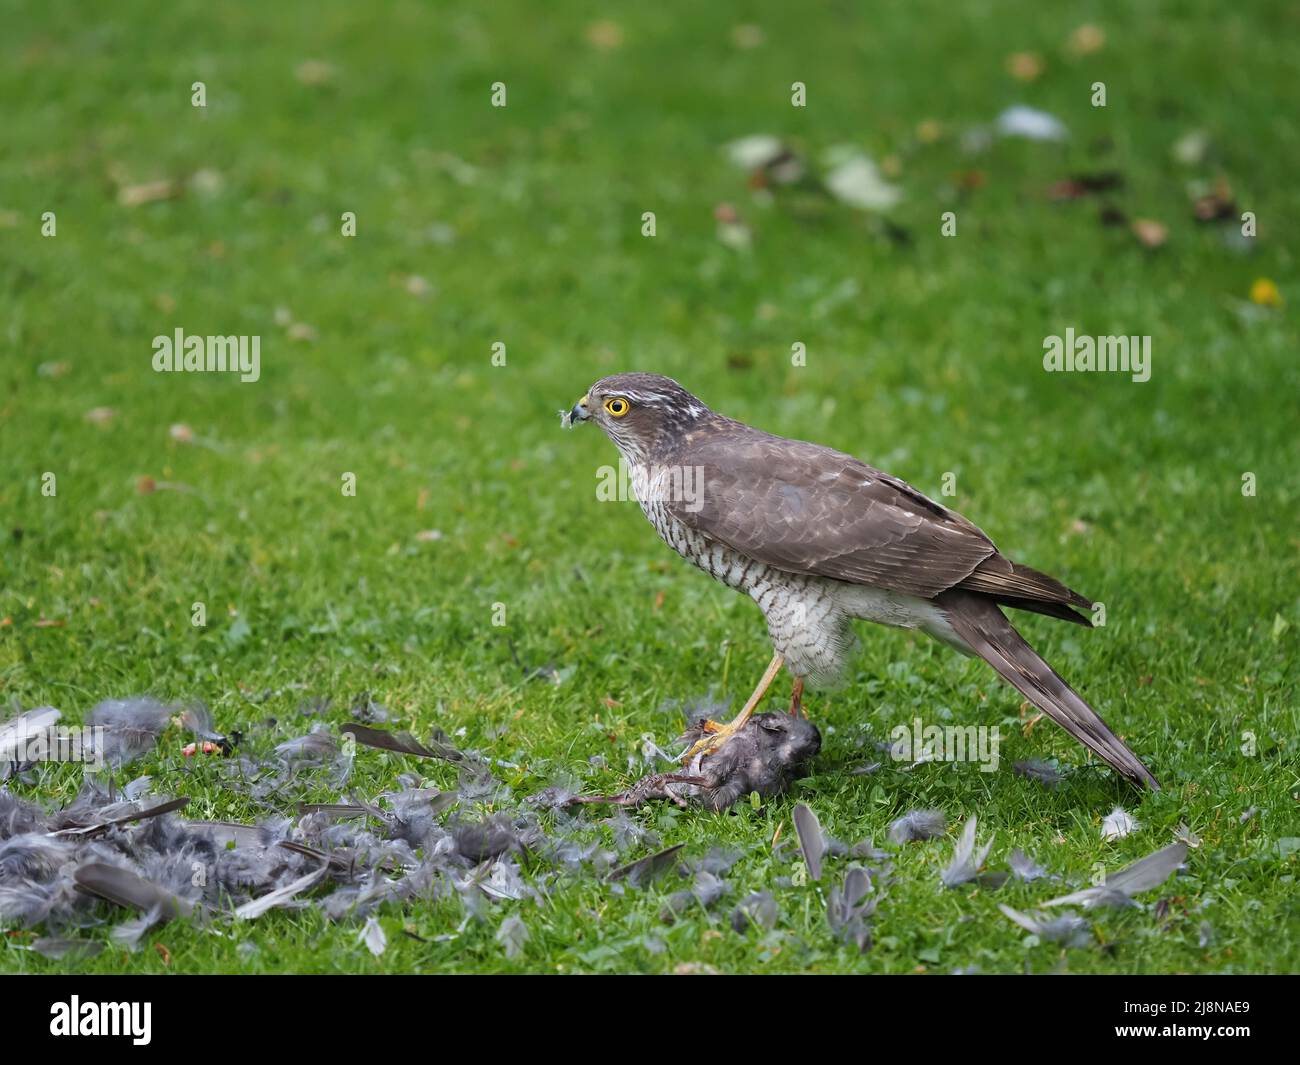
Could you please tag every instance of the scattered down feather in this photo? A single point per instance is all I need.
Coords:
(1025, 868)
(848, 916)
(281, 896)
(966, 860)
(1068, 929)
(131, 728)
(1120, 887)
(917, 825)
(811, 840)
(643, 870)
(1118, 823)
(127, 889)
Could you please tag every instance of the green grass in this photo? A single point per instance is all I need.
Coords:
(923, 359)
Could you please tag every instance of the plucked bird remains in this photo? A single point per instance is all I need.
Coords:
(765, 756)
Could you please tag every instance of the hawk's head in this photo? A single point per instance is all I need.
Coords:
(639, 412)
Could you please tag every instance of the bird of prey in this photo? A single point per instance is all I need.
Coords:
(817, 538)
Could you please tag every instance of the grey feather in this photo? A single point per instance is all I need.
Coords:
(317, 746)
(1036, 769)
(280, 896)
(811, 841)
(404, 742)
(1025, 868)
(966, 860)
(131, 727)
(758, 907)
(127, 889)
(372, 935)
(1067, 929)
(18, 816)
(917, 825)
(1119, 888)
(59, 948)
(99, 828)
(643, 870)
(847, 915)
(513, 935)
(127, 934)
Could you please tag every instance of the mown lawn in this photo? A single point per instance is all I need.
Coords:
(523, 225)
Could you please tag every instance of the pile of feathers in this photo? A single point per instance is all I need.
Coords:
(125, 855)
(132, 848)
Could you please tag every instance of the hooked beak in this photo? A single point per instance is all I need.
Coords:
(580, 413)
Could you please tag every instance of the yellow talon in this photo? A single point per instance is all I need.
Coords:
(716, 735)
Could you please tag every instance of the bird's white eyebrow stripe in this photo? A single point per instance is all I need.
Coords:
(694, 409)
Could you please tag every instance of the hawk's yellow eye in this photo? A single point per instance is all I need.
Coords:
(617, 407)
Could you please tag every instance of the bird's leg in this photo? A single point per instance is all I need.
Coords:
(796, 699)
(716, 735)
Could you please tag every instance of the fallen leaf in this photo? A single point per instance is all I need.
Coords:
(314, 72)
(1086, 39)
(1216, 205)
(605, 35)
(1151, 233)
(1025, 66)
(929, 130)
(206, 182)
(149, 192)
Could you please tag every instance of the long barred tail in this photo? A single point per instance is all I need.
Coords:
(984, 627)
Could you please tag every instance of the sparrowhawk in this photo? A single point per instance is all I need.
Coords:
(817, 538)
